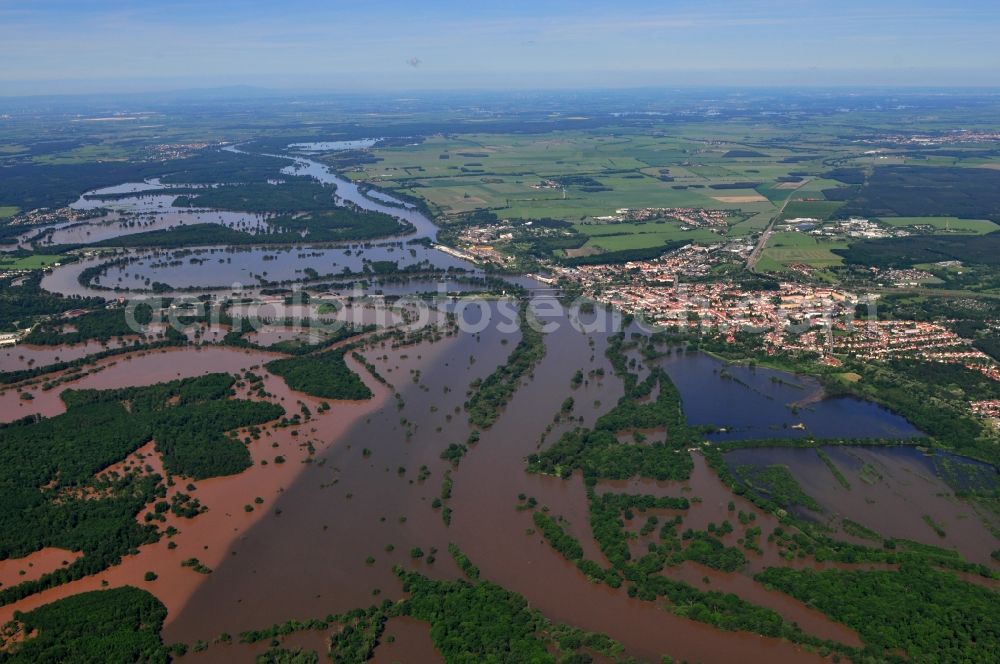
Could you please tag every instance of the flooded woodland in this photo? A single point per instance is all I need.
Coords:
(361, 492)
(329, 507)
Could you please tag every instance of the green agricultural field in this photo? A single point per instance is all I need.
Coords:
(594, 173)
(952, 224)
(615, 237)
(34, 262)
(791, 239)
(8, 211)
(753, 224)
(580, 205)
(459, 195)
(813, 189)
(85, 154)
(785, 249)
(545, 155)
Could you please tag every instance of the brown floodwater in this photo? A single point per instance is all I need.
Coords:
(808, 619)
(26, 356)
(352, 485)
(208, 536)
(138, 369)
(406, 641)
(130, 222)
(223, 267)
(18, 570)
(366, 499)
(892, 490)
(366, 486)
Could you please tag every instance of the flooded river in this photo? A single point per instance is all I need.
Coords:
(891, 490)
(360, 481)
(356, 505)
(247, 266)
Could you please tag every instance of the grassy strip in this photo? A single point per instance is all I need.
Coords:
(839, 476)
(489, 396)
(811, 540)
(936, 527)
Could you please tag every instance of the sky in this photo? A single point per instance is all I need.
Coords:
(96, 46)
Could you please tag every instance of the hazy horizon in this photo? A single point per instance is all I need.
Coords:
(61, 47)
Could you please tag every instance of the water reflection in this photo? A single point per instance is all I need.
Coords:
(753, 403)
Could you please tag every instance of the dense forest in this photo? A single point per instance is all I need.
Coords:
(27, 301)
(544, 246)
(100, 325)
(934, 406)
(339, 225)
(38, 460)
(625, 255)
(188, 418)
(922, 191)
(930, 616)
(117, 625)
(915, 249)
(914, 307)
(30, 185)
(480, 622)
(293, 194)
(600, 454)
(49, 488)
(324, 375)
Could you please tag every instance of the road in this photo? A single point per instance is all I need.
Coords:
(762, 242)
